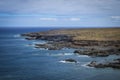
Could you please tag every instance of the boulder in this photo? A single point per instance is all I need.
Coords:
(30, 38)
(92, 64)
(70, 60)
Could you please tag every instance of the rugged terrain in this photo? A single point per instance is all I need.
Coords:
(97, 42)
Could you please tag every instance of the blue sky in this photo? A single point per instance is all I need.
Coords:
(60, 13)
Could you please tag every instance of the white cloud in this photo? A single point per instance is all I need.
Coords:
(48, 19)
(60, 11)
(115, 17)
(61, 19)
(61, 7)
(74, 19)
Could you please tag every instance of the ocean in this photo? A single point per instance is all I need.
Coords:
(19, 60)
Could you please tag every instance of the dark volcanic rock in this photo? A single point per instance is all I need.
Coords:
(92, 64)
(113, 64)
(100, 52)
(47, 46)
(70, 60)
(78, 51)
(48, 37)
(59, 41)
(30, 38)
(31, 34)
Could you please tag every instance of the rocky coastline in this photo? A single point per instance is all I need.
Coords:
(89, 47)
(112, 64)
(93, 48)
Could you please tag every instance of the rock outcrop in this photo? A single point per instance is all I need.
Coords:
(70, 60)
(98, 52)
(113, 64)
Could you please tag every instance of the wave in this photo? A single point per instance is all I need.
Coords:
(17, 35)
(85, 65)
(40, 48)
(83, 56)
(62, 61)
(40, 42)
(61, 54)
(67, 53)
(55, 54)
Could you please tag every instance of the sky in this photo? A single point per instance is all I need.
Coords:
(60, 13)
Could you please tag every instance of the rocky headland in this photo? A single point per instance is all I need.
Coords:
(92, 42)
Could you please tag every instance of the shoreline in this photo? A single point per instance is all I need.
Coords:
(58, 39)
(91, 42)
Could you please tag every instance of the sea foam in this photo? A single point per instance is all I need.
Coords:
(17, 35)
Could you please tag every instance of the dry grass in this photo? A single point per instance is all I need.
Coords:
(90, 34)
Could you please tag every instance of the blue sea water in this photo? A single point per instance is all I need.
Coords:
(21, 61)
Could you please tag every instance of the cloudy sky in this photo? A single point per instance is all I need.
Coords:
(64, 13)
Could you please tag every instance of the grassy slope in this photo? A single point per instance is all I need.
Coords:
(89, 34)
